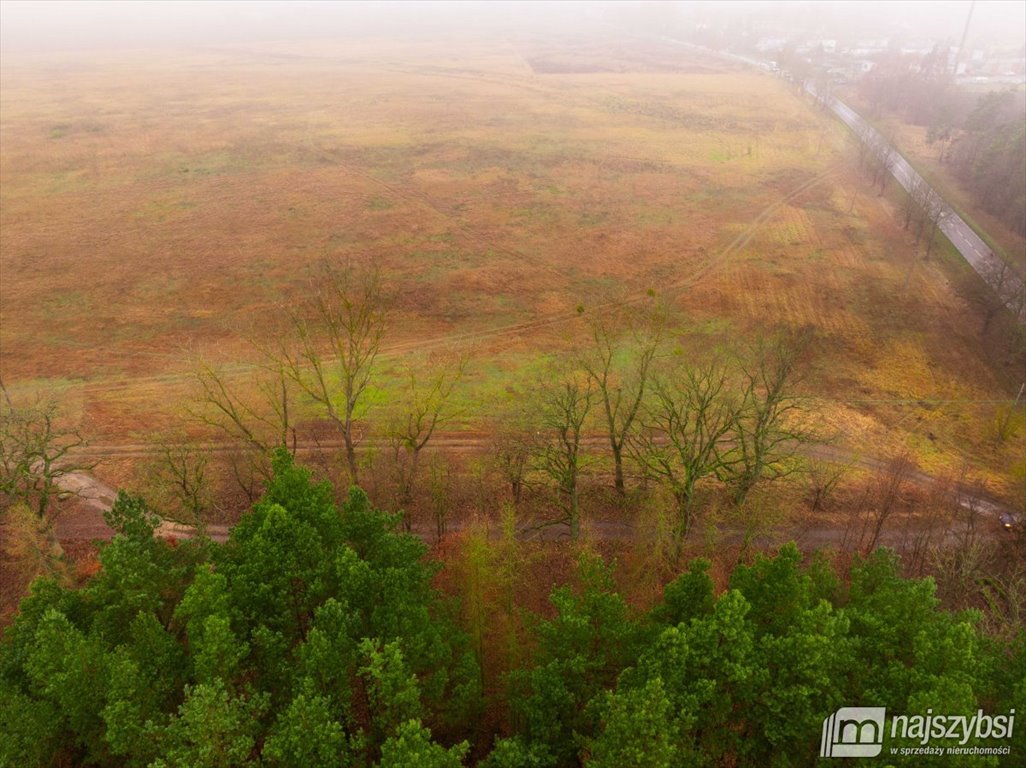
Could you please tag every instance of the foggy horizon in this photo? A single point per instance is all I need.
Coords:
(79, 26)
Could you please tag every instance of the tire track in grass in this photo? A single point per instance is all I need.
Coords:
(96, 497)
(509, 329)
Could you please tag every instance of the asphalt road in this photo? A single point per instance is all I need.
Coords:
(976, 253)
(973, 249)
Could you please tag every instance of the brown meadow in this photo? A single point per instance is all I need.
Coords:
(160, 207)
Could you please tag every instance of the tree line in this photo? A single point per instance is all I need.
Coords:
(665, 418)
(316, 636)
(982, 138)
(1002, 292)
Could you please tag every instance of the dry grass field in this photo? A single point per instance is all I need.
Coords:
(157, 207)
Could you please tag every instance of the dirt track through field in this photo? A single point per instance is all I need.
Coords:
(86, 521)
(97, 497)
(694, 276)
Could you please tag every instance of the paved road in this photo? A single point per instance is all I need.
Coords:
(989, 267)
(961, 235)
(973, 249)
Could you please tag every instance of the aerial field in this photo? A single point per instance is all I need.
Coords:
(158, 208)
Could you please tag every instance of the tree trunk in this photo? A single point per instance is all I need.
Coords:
(347, 436)
(618, 470)
(682, 526)
(575, 511)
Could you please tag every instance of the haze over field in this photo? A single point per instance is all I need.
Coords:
(92, 24)
(512, 385)
(502, 162)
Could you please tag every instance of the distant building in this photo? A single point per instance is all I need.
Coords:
(871, 45)
(918, 47)
(827, 46)
(850, 70)
(771, 44)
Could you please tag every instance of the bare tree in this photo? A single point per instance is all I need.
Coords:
(891, 481)
(619, 362)
(563, 408)
(877, 157)
(764, 438)
(884, 160)
(930, 210)
(822, 480)
(911, 207)
(1008, 417)
(424, 404)
(864, 144)
(263, 422)
(683, 435)
(517, 436)
(441, 482)
(257, 416)
(822, 89)
(338, 338)
(179, 479)
(924, 533)
(36, 455)
(958, 565)
(1007, 291)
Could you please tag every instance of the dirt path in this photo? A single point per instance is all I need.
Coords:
(85, 518)
(89, 522)
(693, 277)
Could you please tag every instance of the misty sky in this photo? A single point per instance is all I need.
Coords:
(95, 24)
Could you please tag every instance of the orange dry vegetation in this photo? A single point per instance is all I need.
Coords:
(158, 207)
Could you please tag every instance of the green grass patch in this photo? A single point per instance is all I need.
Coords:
(379, 203)
(60, 306)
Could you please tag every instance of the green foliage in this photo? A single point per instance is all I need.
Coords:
(146, 678)
(1015, 693)
(213, 729)
(312, 637)
(745, 678)
(392, 692)
(411, 745)
(131, 517)
(906, 650)
(307, 734)
(581, 652)
(30, 729)
(67, 669)
(688, 596)
(637, 729)
(515, 752)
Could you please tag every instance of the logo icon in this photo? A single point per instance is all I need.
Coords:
(853, 732)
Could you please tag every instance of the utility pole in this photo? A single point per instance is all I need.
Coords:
(965, 33)
(1003, 432)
